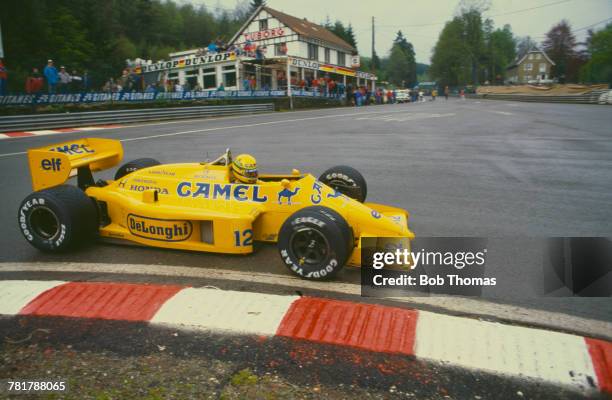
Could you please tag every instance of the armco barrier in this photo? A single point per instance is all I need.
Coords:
(593, 97)
(44, 121)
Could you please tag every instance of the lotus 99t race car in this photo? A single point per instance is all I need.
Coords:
(317, 223)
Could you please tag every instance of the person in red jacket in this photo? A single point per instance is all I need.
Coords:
(3, 78)
(34, 82)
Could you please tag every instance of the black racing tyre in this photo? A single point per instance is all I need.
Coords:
(58, 218)
(346, 180)
(315, 243)
(135, 165)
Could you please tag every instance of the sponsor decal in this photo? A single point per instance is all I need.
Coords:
(316, 196)
(265, 34)
(142, 188)
(334, 195)
(224, 191)
(309, 64)
(376, 214)
(74, 148)
(53, 164)
(161, 172)
(328, 269)
(166, 230)
(188, 62)
(287, 194)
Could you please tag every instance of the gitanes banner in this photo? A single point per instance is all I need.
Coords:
(33, 99)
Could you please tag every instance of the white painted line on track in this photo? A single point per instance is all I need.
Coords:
(469, 306)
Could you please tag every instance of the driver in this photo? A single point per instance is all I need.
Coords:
(244, 168)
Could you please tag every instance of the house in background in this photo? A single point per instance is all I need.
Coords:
(533, 67)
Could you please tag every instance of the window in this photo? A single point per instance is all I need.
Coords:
(229, 75)
(531, 56)
(341, 59)
(280, 49)
(313, 52)
(263, 24)
(528, 67)
(542, 67)
(538, 56)
(210, 78)
(327, 55)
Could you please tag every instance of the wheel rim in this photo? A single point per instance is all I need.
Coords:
(44, 222)
(309, 246)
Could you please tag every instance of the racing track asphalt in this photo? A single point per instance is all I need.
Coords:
(512, 172)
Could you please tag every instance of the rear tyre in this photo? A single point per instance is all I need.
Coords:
(346, 180)
(58, 218)
(135, 165)
(315, 243)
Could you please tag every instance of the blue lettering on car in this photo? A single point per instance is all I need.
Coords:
(316, 197)
(73, 149)
(54, 164)
(221, 191)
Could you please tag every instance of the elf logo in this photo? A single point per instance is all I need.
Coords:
(53, 164)
(166, 230)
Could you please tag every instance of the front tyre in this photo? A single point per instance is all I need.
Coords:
(135, 165)
(346, 180)
(315, 243)
(58, 218)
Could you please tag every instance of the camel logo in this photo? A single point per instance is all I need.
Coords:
(288, 194)
(166, 230)
(334, 195)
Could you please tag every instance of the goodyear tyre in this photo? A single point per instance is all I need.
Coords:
(346, 180)
(135, 165)
(58, 218)
(315, 243)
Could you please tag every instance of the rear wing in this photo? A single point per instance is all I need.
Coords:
(52, 165)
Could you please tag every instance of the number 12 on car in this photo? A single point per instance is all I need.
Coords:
(244, 238)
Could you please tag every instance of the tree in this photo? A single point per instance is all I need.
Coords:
(599, 50)
(402, 72)
(350, 35)
(256, 3)
(560, 45)
(449, 64)
(501, 51)
(524, 45)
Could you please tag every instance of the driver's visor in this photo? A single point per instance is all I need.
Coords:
(249, 173)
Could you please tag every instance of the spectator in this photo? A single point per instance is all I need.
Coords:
(212, 48)
(221, 88)
(64, 80)
(50, 73)
(134, 79)
(253, 82)
(3, 78)
(75, 81)
(34, 82)
(434, 94)
(150, 89)
(315, 85)
(86, 81)
(178, 87)
(246, 84)
(446, 92)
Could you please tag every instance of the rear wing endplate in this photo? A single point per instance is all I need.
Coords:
(53, 165)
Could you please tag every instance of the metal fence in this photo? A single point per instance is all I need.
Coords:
(45, 121)
(593, 97)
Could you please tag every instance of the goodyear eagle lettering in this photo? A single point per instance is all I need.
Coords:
(221, 191)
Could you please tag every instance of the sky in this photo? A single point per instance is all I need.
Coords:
(422, 20)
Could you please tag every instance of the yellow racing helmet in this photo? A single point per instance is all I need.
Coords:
(244, 168)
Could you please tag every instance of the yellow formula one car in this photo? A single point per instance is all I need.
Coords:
(318, 223)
